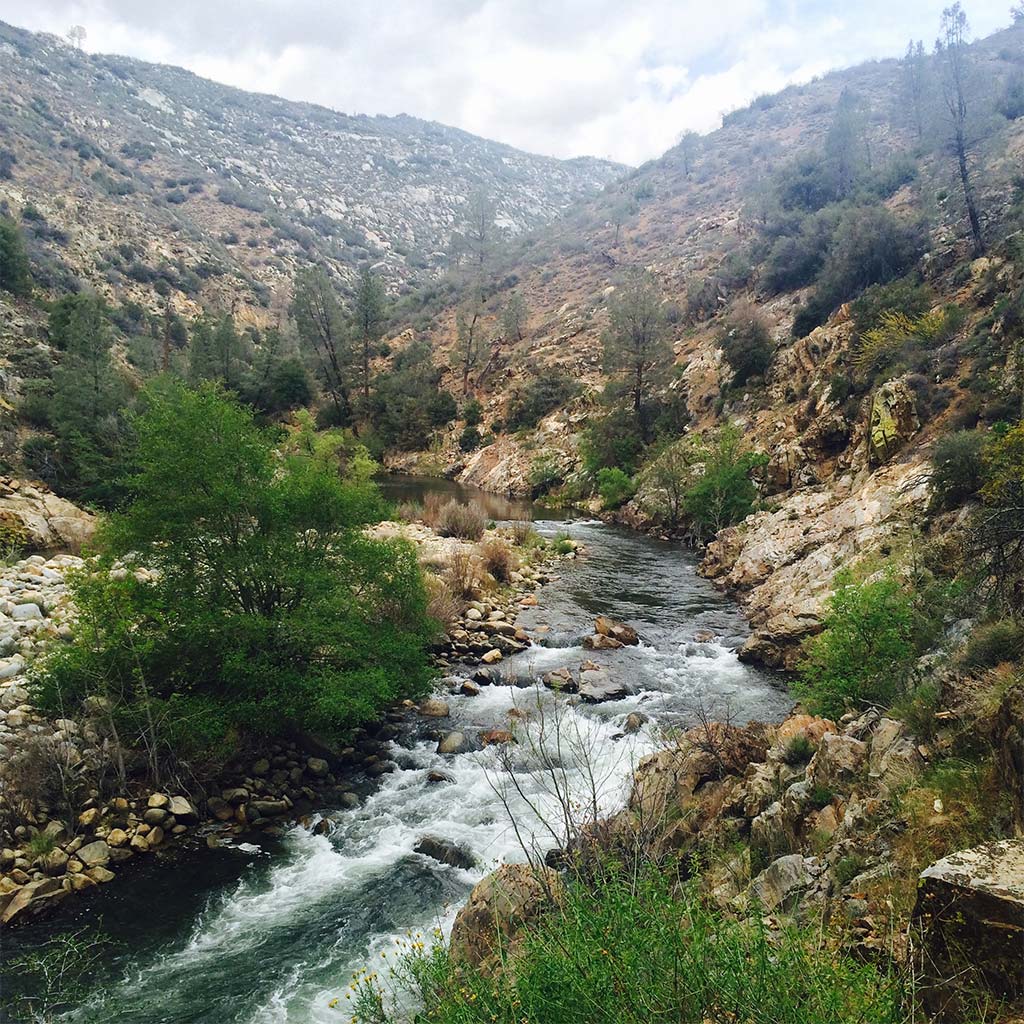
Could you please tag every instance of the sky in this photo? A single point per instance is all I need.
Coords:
(620, 79)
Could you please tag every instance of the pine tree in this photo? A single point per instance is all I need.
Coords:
(369, 316)
(14, 268)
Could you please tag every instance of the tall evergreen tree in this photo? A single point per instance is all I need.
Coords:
(14, 268)
(369, 315)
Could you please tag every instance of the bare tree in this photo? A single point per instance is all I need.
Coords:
(915, 68)
(76, 36)
(951, 50)
(469, 331)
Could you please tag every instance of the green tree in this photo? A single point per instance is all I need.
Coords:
(320, 320)
(635, 343)
(866, 650)
(665, 480)
(723, 494)
(266, 608)
(369, 315)
(513, 317)
(14, 269)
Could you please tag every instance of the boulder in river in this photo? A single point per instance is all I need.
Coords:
(601, 642)
(560, 679)
(495, 737)
(626, 635)
(434, 707)
(970, 920)
(453, 743)
(445, 852)
(596, 686)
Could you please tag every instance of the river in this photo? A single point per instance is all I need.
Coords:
(269, 931)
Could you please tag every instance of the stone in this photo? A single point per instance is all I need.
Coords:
(784, 881)
(140, 844)
(270, 808)
(158, 800)
(839, 762)
(80, 882)
(445, 852)
(155, 836)
(453, 743)
(317, 767)
(600, 642)
(469, 689)
(969, 917)
(26, 895)
(94, 854)
(100, 874)
(894, 758)
(154, 816)
(634, 723)
(89, 818)
(894, 420)
(625, 635)
(491, 657)
(235, 796)
(54, 863)
(434, 707)
(261, 767)
(497, 909)
(473, 614)
(436, 777)
(183, 811)
(220, 808)
(117, 837)
(349, 801)
(596, 686)
(560, 679)
(26, 612)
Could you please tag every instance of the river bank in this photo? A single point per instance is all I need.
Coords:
(271, 922)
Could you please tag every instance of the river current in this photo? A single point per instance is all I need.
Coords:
(270, 929)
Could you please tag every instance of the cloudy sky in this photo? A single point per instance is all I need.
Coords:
(613, 78)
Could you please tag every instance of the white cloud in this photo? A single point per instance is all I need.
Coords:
(565, 77)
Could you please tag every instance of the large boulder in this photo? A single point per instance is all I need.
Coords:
(597, 686)
(783, 884)
(894, 420)
(444, 851)
(33, 517)
(839, 763)
(499, 906)
(619, 631)
(969, 920)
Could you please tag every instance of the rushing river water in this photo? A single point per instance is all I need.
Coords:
(270, 930)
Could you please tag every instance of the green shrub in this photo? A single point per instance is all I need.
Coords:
(472, 412)
(268, 608)
(14, 268)
(747, 346)
(469, 439)
(848, 868)
(993, 643)
(957, 467)
(798, 751)
(545, 474)
(614, 486)
(866, 651)
(530, 404)
(634, 948)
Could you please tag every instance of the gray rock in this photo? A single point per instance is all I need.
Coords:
(26, 612)
(94, 854)
(317, 767)
(596, 686)
(445, 852)
(453, 743)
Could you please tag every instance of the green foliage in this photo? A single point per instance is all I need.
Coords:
(992, 643)
(664, 481)
(611, 441)
(472, 412)
(530, 404)
(635, 947)
(957, 467)
(216, 351)
(723, 494)
(798, 751)
(747, 346)
(614, 486)
(14, 269)
(545, 474)
(903, 296)
(469, 439)
(276, 384)
(866, 651)
(407, 405)
(264, 607)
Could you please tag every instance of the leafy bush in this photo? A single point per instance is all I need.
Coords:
(957, 467)
(798, 751)
(747, 346)
(612, 441)
(635, 947)
(472, 412)
(866, 651)
(457, 520)
(724, 494)
(529, 405)
(1011, 103)
(993, 643)
(614, 486)
(266, 609)
(469, 439)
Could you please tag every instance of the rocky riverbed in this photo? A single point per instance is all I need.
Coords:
(51, 853)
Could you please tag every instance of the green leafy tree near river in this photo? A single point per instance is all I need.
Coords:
(262, 606)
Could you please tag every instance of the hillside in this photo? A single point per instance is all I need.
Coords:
(706, 223)
(147, 173)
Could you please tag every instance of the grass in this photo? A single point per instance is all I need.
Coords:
(632, 947)
(41, 844)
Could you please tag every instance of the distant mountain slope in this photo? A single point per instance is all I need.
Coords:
(151, 171)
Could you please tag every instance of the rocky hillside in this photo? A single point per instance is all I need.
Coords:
(148, 177)
(847, 451)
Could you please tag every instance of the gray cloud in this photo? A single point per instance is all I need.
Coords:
(564, 77)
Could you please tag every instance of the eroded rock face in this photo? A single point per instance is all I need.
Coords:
(969, 919)
(44, 521)
(782, 564)
(498, 907)
(894, 420)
